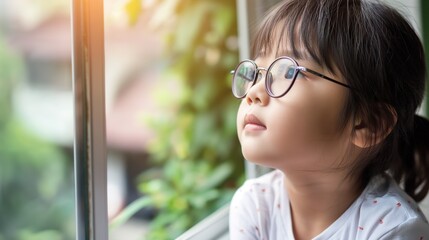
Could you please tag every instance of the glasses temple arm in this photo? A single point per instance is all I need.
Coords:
(323, 76)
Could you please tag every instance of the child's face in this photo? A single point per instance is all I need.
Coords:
(299, 130)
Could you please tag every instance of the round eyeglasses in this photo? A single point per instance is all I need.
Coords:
(279, 79)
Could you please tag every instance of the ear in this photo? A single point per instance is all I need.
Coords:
(365, 137)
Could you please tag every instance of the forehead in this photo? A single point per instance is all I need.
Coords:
(281, 42)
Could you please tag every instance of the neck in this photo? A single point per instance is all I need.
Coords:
(318, 199)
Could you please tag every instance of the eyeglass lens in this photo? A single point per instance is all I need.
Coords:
(243, 79)
(279, 77)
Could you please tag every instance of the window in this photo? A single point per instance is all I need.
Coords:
(120, 82)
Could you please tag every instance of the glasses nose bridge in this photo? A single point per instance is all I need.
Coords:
(257, 92)
(259, 74)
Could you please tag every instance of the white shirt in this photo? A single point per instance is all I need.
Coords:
(260, 210)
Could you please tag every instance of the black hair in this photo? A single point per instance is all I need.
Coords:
(378, 53)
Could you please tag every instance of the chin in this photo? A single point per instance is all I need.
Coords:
(258, 160)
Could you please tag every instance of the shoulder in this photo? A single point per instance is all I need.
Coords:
(414, 228)
(386, 209)
(384, 195)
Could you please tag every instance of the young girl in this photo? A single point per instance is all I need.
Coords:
(330, 102)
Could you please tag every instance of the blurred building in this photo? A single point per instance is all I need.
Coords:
(43, 100)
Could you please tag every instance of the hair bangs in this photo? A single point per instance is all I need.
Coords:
(297, 29)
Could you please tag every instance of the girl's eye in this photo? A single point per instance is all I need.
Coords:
(290, 72)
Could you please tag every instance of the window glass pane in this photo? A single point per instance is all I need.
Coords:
(131, 65)
(170, 113)
(36, 121)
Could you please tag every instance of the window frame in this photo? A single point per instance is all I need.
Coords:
(90, 164)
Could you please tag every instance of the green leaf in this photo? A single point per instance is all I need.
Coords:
(129, 211)
(202, 199)
(218, 175)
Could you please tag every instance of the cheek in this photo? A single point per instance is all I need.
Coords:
(308, 125)
(300, 140)
(317, 109)
(290, 129)
(240, 118)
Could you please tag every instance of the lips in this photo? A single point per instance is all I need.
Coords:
(252, 122)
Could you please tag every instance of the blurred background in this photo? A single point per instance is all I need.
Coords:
(173, 156)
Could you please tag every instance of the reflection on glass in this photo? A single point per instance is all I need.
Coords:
(36, 121)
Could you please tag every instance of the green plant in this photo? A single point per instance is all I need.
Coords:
(34, 196)
(183, 192)
(196, 150)
(36, 201)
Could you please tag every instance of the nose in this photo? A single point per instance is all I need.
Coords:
(257, 93)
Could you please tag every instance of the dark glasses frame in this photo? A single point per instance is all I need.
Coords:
(297, 69)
